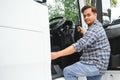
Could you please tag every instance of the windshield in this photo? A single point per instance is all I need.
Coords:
(64, 8)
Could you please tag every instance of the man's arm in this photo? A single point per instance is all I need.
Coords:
(67, 51)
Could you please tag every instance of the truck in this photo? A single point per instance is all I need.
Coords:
(24, 40)
(28, 36)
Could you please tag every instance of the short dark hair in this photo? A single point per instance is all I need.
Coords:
(88, 6)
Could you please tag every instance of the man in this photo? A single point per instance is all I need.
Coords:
(96, 50)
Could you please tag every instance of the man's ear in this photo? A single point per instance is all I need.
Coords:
(95, 14)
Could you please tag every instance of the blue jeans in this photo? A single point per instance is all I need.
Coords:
(72, 72)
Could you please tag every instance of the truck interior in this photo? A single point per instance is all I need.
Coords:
(61, 36)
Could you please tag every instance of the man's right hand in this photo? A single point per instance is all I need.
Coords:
(81, 30)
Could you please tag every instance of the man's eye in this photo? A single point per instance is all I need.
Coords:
(88, 15)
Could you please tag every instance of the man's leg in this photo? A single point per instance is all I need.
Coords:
(72, 72)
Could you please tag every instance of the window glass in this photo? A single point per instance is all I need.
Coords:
(64, 8)
(111, 11)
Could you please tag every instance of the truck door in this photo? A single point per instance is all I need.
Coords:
(24, 41)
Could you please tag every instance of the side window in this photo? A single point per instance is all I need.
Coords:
(106, 12)
(110, 11)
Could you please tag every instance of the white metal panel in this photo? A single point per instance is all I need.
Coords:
(25, 14)
(24, 41)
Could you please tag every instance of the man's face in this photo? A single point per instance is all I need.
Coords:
(89, 16)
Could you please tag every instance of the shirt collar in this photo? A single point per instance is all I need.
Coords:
(95, 22)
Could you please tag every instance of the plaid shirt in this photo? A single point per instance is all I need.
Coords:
(95, 46)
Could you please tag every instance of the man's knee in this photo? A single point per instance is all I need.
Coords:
(65, 71)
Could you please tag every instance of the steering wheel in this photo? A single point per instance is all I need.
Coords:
(56, 23)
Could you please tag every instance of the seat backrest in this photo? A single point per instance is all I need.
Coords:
(113, 33)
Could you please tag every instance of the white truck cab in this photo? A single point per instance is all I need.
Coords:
(24, 40)
(27, 38)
